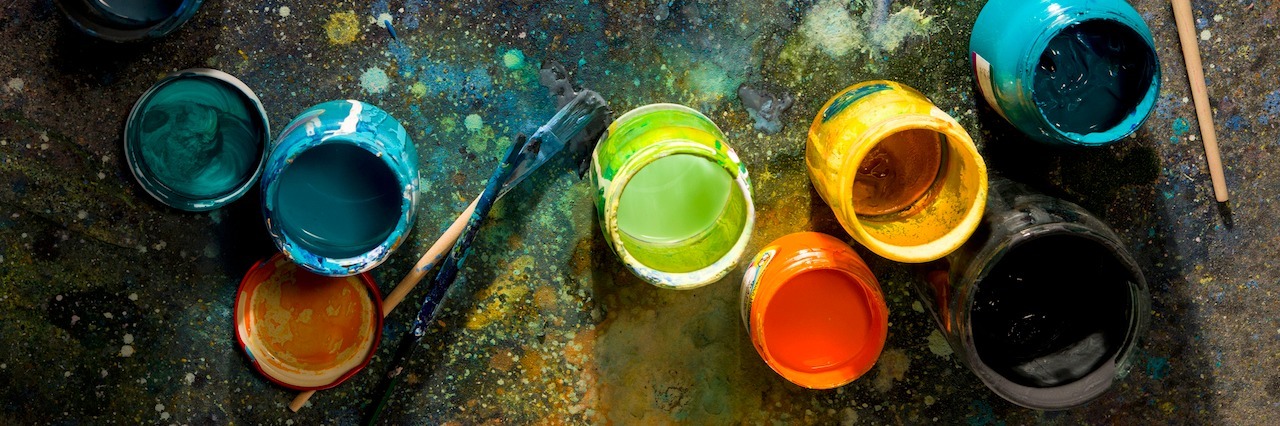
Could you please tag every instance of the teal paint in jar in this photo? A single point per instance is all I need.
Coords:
(196, 140)
(126, 20)
(340, 188)
(1068, 72)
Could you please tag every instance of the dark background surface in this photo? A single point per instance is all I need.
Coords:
(117, 309)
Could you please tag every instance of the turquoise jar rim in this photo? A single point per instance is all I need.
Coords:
(1029, 62)
(160, 191)
(343, 133)
(78, 13)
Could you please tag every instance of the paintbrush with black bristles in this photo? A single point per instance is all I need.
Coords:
(572, 131)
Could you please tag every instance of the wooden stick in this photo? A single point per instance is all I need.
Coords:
(428, 261)
(1195, 73)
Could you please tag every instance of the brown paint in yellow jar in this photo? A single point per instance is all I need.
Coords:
(898, 172)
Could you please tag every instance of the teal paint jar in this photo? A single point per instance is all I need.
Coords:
(1069, 72)
(126, 20)
(339, 188)
(196, 139)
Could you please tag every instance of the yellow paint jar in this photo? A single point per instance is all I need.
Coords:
(903, 178)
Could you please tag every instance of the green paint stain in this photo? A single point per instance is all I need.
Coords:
(338, 200)
(513, 59)
(198, 137)
(673, 199)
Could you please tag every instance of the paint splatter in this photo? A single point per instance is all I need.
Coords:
(1157, 367)
(384, 20)
(284, 11)
(513, 59)
(374, 80)
(418, 89)
(765, 108)
(473, 122)
(1181, 127)
(342, 27)
(891, 367)
(831, 28)
(15, 84)
(938, 344)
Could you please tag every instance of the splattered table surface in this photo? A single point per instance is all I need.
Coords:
(117, 309)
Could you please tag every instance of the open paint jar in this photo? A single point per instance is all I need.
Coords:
(903, 178)
(125, 20)
(196, 139)
(1043, 304)
(1074, 72)
(306, 331)
(340, 187)
(673, 198)
(814, 311)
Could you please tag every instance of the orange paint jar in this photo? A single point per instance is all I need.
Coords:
(814, 311)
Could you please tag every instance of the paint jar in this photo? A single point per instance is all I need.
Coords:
(673, 199)
(1071, 72)
(1043, 304)
(340, 187)
(903, 178)
(126, 20)
(305, 331)
(814, 311)
(196, 139)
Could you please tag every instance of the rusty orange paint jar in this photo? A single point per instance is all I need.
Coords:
(814, 311)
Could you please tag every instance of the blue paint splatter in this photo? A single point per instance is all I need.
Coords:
(1251, 284)
(1272, 103)
(1180, 126)
(981, 414)
(1157, 367)
(1236, 123)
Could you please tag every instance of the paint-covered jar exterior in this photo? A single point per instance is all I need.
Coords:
(814, 311)
(127, 20)
(852, 143)
(1014, 48)
(340, 188)
(1044, 304)
(637, 140)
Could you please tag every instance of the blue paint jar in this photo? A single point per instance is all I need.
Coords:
(126, 20)
(339, 188)
(1071, 72)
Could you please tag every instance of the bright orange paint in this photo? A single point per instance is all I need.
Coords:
(814, 310)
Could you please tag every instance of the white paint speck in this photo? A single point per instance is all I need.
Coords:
(104, 373)
(191, 378)
(164, 416)
(126, 351)
(160, 245)
(1185, 100)
(44, 146)
(58, 297)
(1217, 18)
(133, 296)
(159, 408)
(374, 80)
(128, 338)
(16, 84)
(284, 11)
(383, 19)
(108, 315)
(44, 136)
(74, 319)
(6, 366)
(102, 175)
(82, 214)
(473, 122)
(916, 306)
(1205, 35)
(66, 374)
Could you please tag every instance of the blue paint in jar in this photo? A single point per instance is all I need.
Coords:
(340, 188)
(1067, 72)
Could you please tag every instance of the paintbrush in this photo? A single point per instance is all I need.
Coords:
(573, 130)
(1183, 17)
(555, 78)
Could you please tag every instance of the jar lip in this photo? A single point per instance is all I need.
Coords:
(956, 139)
(1080, 390)
(1141, 110)
(613, 194)
(98, 27)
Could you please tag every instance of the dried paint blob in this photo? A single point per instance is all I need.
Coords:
(374, 80)
(342, 27)
(303, 330)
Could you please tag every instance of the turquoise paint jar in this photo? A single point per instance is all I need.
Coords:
(1071, 72)
(126, 20)
(339, 188)
(196, 139)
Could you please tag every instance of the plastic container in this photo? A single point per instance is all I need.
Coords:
(305, 331)
(814, 311)
(1070, 72)
(1043, 304)
(903, 178)
(196, 139)
(127, 20)
(340, 187)
(688, 216)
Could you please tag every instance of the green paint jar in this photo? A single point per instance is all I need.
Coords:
(673, 198)
(195, 140)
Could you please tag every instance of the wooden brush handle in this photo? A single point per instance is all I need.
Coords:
(437, 252)
(1195, 73)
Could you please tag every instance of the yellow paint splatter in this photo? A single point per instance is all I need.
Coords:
(342, 27)
(418, 89)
